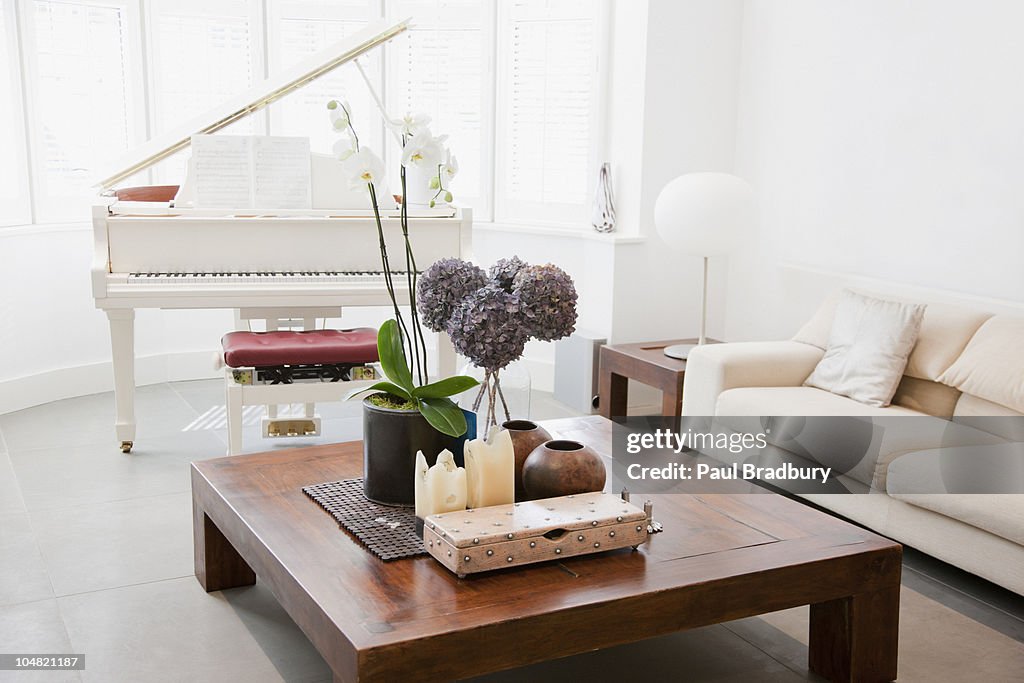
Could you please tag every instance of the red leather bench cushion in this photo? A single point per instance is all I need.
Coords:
(315, 347)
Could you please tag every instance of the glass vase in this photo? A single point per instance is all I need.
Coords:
(501, 396)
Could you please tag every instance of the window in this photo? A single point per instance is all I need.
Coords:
(513, 83)
(442, 67)
(299, 29)
(546, 154)
(83, 97)
(14, 204)
(203, 51)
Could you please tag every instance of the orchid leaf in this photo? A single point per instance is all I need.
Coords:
(448, 386)
(443, 415)
(392, 356)
(386, 387)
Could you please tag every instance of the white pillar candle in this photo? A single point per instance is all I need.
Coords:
(490, 470)
(441, 488)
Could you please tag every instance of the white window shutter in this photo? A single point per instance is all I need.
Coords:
(202, 53)
(300, 28)
(83, 114)
(547, 110)
(440, 67)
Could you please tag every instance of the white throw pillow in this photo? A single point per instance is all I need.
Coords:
(868, 348)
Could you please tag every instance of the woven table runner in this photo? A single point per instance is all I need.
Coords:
(387, 532)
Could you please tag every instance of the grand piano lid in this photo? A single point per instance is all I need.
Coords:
(256, 98)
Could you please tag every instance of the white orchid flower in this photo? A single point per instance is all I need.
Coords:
(364, 168)
(411, 125)
(344, 148)
(424, 150)
(450, 167)
(339, 111)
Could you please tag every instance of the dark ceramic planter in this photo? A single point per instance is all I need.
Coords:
(391, 439)
(526, 436)
(562, 468)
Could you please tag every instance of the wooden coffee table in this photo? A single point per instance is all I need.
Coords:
(721, 557)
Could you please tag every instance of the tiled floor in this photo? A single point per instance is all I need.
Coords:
(96, 558)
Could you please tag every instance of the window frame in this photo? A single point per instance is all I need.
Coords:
(18, 211)
(491, 207)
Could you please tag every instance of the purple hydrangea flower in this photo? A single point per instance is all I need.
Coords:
(547, 301)
(487, 327)
(504, 272)
(442, 287)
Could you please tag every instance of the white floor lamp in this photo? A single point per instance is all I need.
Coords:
(703, 214)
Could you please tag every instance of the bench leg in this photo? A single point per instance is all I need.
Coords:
(234, 411)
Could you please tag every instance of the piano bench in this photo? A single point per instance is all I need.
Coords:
(286, 367)
(310, 347)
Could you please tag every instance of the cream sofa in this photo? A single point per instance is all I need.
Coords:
(967, 365)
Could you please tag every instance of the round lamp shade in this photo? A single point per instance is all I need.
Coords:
(704, 214)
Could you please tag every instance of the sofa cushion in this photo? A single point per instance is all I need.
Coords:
(868, 348)
(999, 514)
(945, 332)
(926, 396)
(868, 464)
(992, 365)
(816, 330)
(797, 401)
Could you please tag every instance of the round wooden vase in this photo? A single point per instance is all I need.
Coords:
(526, 436)
(562, 468)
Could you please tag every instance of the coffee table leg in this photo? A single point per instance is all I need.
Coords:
(613, 391)
(218, 564)
(856, 638)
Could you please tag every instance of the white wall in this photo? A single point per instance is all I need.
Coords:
(884, 139)
(54, 342)
(688, 122)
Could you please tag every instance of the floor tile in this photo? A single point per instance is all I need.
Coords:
(66, 476)
(163, 631)
(90, 419)
(105, 545)
(281, 640)
(23, 576)
(937, 643)
(10, 493)
(36, 628)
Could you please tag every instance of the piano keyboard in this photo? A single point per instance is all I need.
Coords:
(328, 277)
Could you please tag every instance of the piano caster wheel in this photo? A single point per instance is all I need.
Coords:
(126, 446)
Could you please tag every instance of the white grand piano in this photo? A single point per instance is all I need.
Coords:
(152, 252)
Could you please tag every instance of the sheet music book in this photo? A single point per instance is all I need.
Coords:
(251, 172)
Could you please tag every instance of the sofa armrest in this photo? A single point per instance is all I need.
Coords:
(714, 368)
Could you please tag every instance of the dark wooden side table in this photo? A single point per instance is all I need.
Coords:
(644, 362)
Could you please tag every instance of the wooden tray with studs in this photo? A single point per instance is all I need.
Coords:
(482, 539)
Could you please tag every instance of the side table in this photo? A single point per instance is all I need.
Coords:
(644, 362)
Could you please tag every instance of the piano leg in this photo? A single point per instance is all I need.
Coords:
(234, 410)
(445, 356)
(122, 346)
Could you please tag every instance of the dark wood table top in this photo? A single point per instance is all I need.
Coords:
(720, 557)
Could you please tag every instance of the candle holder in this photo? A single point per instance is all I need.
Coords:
(526, 436)
(561, 468)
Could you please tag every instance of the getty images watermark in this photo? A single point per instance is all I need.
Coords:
(676, 442)
(834, 454)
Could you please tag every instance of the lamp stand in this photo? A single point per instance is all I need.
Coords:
(681, 351)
